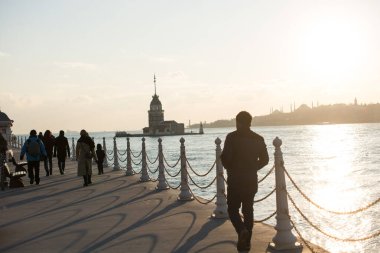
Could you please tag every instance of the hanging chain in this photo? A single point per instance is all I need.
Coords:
(179, 159)
(267, 196)
(270, 171)
(200, 175)
(202, 187)
(328, 235)
(330, 211)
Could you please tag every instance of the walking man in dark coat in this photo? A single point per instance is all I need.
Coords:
(61, 147)
(243, 155)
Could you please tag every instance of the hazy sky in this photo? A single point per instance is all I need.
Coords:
(77, 64)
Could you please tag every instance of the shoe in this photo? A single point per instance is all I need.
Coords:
(84, 185)
(47, 174)
(37, 182)
(31, 181)
(243, 240)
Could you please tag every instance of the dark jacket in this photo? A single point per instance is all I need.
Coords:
(49, 142)
(29, 157)
(101, 155)
(61, 147)
(244, 153)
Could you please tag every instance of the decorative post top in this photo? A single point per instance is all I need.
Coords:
(143, 139)
(159, 140)
(127, 138)
(114, 138)
(218, 141)
(182, 140)
(104, 138)
(277, 142)
(155, 84)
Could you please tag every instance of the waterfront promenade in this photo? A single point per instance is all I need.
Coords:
(114, 214)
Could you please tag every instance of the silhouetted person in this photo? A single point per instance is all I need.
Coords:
(243, 155)
(61, 147)
(40, 136)
(84, 153)
(101, 155)
(34, 150)
(48, 141)
(3, 159)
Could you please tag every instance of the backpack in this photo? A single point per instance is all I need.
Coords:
(33, 147)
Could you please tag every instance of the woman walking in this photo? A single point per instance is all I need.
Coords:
(85, 152)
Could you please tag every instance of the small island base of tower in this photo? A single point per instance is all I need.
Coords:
(125, 134)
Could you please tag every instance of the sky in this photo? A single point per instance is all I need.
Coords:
(89, 64)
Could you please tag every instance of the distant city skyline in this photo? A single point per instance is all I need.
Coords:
(90, 64)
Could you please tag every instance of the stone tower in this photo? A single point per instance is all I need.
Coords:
(156, 114)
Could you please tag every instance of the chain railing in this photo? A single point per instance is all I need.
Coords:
(375, 234)
(149, 161)
(285, 223)
(136, 156)
(172, 166)
(183, 177)
(325, 209)
(269, 172)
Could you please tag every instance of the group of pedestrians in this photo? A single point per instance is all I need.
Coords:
(244, 153)
(45, 146)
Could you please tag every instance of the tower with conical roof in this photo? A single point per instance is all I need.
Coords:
(156, 114)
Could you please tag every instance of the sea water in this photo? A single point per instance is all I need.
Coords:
(335, 166)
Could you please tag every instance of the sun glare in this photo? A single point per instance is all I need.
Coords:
(335, 147)
(330, 48)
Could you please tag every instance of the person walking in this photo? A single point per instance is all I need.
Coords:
(85, 152)
(35, 151)
(244, 153)
(48, 141)
(61, 148)
(101, 155)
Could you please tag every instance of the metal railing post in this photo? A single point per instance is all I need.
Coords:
(161, 185)
(185, 193)
(115, 157)
(93, 160)
(105, 162)
(129, 171)
(284, 238)
(73, 150)
(144, 170)
(221, 200)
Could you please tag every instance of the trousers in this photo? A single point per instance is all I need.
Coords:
(240, 196)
